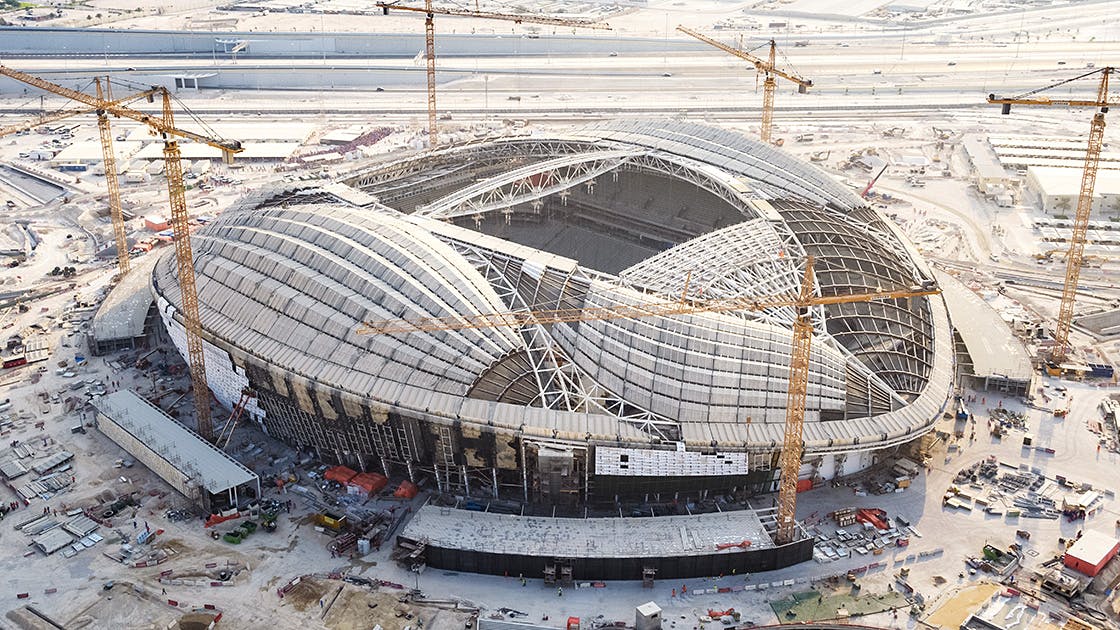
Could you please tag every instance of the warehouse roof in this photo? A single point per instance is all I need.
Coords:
(90, 151)
(1053, 181)
(1075, 154)
(179, 446)
(1092, 547)
(983, 158)
(1042, 142)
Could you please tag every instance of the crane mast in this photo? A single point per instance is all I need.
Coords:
(769, 86)
(430, 60)
(164, 124)
(229, 148)
(185, 263)
(108, 154)
(109, 158)
(789, 462)
(1075, 256)
(768, 67)
(430, 12)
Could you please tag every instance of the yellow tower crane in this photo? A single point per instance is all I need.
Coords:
(109, 158)
(108, 154)
(430, 40)
(1076, 254)
(164, 125)
(792, 446)
(768, 68)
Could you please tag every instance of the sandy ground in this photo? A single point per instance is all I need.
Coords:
(296, 549)
(954, 611)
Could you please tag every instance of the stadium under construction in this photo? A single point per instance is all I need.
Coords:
(583, 412)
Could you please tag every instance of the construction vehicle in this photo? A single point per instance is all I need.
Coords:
(430, 44)
(867, 189)
(768, 68)
(108, 155)
(330, 521)
(165, 126)
(268, 520)
(1075, 256)
(790, 456)
(1048, 256)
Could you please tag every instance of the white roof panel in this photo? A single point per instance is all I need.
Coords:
(182, 448)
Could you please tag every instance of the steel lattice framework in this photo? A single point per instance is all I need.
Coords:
(560, 383)
(526, 184)
(889, 337)
(608, 219)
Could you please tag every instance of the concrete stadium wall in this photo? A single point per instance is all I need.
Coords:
(587, 569)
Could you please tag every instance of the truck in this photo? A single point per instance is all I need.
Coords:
(330, 521)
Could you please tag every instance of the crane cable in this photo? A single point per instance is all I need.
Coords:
(1058, 84)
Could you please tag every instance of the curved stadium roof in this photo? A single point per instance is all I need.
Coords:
(621, 212)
